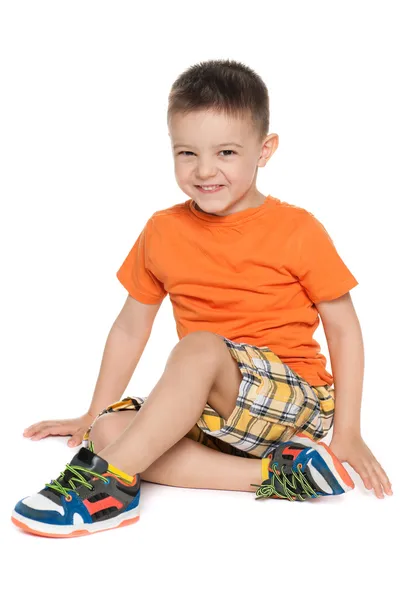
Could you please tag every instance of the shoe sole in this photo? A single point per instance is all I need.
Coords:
(331, 460)
(64, 531)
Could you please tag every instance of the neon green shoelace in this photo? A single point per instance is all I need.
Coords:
(63, 489)
(268, 489)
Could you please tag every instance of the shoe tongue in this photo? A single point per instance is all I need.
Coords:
(88, 460)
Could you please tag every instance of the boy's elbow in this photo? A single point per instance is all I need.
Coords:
(137, 318)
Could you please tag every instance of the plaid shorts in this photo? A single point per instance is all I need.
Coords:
(273, 404)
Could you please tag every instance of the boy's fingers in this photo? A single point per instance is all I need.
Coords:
(29, 430)
(379, 478)
(32, 431)
(36, 431)
(39, 436)
(74, 442)
(366, 481)
(43, 424)
(376, 484)
(76, 439)
(51, 430)
(384, 479)
(38, 426)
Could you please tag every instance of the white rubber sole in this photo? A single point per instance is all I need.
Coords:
(47, 530)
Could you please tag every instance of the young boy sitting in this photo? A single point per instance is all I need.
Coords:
(245, 397)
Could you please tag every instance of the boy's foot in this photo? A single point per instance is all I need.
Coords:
(301, 468)
(90, 495)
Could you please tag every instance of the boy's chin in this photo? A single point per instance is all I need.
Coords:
(211, 211)
(211, 206)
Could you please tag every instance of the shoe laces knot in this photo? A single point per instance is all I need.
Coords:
(288, 486)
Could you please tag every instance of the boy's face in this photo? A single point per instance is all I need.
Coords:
(203, 156)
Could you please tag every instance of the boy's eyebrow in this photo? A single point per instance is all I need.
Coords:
(218, 145)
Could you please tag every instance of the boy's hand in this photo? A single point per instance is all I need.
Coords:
(74, 427)
(353, 450)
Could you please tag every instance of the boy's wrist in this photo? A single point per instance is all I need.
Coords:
(349, 432)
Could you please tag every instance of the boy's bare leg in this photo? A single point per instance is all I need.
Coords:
(200, 369)
(187, 463)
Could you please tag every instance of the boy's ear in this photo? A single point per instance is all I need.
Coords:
(270, 145)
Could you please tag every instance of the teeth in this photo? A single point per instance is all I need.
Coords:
(212, 187)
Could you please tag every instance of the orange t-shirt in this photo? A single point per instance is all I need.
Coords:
(253, 276)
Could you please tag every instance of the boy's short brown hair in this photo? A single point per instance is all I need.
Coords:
(222, 85)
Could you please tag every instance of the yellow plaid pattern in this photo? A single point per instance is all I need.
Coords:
(273, 404)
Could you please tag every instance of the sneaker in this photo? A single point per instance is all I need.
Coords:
(90, 495)
(302, 468)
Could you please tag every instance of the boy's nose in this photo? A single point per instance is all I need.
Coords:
(206, 171)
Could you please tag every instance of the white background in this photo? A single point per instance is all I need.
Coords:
(85, 161)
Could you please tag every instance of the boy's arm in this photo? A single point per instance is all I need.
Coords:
(344, 337)
(124, 346)
(343, 334)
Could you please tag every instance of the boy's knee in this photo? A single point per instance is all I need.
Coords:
(201, 338)
(201, 344)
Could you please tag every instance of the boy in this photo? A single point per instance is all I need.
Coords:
(245, 397)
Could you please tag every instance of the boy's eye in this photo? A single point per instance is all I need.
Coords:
(188, 152)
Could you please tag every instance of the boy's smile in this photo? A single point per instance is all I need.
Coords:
(203, 159)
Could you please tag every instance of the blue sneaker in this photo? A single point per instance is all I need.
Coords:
(90, 495)
(300, 469)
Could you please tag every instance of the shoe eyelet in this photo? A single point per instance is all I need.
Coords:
(107, 481)
(299, 466)
(91, 488)
(68, 498)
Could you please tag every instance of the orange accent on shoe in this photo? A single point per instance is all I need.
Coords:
(292, 452)
(94, 507)
(77, 533)
(339, 467)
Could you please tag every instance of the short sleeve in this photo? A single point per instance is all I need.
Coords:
(136, 274)
(317, 263)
